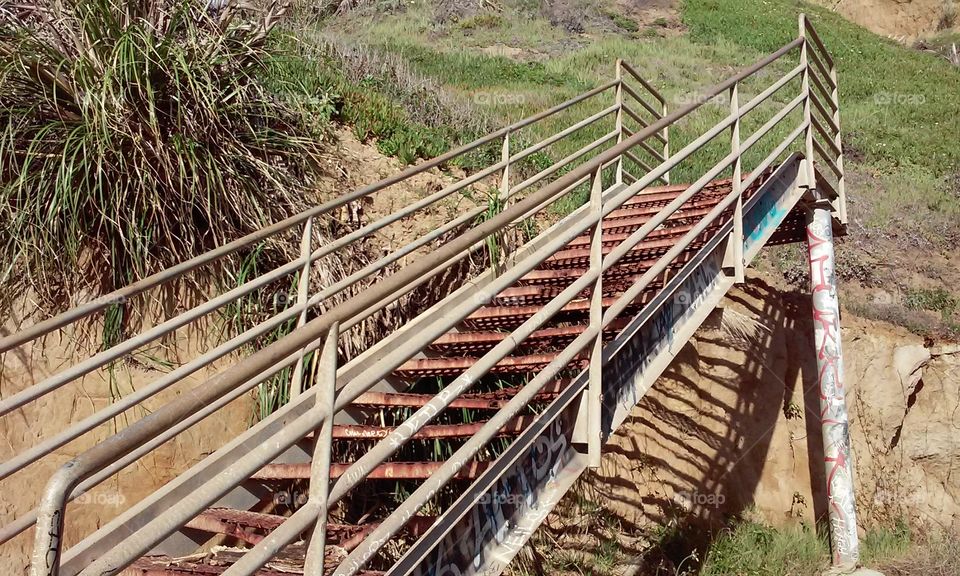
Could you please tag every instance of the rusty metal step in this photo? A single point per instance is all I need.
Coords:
(645, 250)
(471, 401)
(541, 286)
(478, 342)
(538, 295)
(198, 566)
(621, 273)
(527, 295)
(628, 221)
(490, 318)
(385, 471)
(252, 527)
(423, 367)
(612, 240)
(243, 525)
(665, 194)
(288, 562)
(373, 432)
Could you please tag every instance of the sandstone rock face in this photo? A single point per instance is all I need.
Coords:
(21, 429)
(733, 425)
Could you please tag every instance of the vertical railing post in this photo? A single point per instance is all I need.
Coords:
(805, 88)
(595, 371)
(303, 290)
(319, 490)
(618, 98)
(833, 410)
(666, 141)
(737, 184)
(501, 201)
(505, 175)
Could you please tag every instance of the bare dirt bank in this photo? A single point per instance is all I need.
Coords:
(907, 19)
(732, 427)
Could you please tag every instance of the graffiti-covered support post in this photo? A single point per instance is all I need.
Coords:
(833, 408)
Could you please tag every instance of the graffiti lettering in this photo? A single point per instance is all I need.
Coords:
(515, 497)
(833, 413)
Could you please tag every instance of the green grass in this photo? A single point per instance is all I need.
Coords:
(933, 299)
(752, 549)
(483, 20)
(907, 190)
(755, 549)
(898, 105)
(471, 70)
(509, 89)
(884, 544)
(319, 84)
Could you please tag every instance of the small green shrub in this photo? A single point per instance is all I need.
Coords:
(752, 549)
(884, 544)
(948, 16)
(620, 20)
(934, 299)
(317, 79)
(484, 20)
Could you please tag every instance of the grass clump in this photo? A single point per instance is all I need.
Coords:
(136, 135)
(753, 549)
(948, 15)
(621, 21)
(885, 543)
(483, 20)
(934, 299)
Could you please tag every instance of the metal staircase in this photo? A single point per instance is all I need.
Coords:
(440, 448)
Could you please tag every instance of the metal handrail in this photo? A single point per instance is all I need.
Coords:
(302, 264)
(122, 294)
(528, 200)
(314, 333)
(826, 102)
(48, 445)
(663, 136)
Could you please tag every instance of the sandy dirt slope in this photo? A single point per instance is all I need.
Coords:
(906, 19)
(733, 424)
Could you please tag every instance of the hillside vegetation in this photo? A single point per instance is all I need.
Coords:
(499, 63)
(134, 135)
